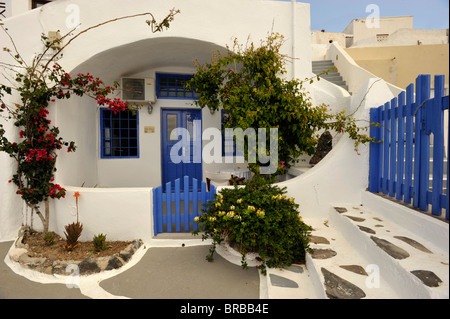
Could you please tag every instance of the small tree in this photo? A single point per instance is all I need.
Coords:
(38, 83)
(248, 84)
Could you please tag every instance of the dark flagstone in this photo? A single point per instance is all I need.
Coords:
(414, 243)
(295, 268)
(356, 269)
(319, 240)
(279, 281)
(356, 219)
(367, 230)
(391, 249)
(323, 253)
(339, 288)
(429, 278)
(341, 210)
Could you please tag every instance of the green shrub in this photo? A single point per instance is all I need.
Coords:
(256, 218)
(72, 233)
(99, 243)
(49, 238)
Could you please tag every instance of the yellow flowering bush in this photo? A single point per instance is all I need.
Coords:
(256, 218)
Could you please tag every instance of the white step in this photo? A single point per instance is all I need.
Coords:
(294, 282)
(345, 256)
(354, 245)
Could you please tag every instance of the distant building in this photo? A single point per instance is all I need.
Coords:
(390, 31)
(393, 50)
(323, 37)
(390, 48)
(361, 32)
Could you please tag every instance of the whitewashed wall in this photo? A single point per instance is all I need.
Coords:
(342, 175)
(365, 30)
(352, 73)
(120, 213)
(206, 23)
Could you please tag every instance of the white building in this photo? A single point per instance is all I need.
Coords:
(116, 180)
(128, 49)
(390, 31)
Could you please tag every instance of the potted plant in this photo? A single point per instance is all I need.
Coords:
(257, 218)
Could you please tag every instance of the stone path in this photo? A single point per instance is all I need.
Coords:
(294, 282)
(419, 263)
(359, 255)
(343, 273)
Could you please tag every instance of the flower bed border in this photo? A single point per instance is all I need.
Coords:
(88, 266)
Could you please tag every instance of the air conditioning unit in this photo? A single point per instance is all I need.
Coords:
(138, 90)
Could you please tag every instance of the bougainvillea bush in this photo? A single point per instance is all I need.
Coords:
(257, 217)
(37, 83)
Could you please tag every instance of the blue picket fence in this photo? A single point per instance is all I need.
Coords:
(412, 132)
(174, 209)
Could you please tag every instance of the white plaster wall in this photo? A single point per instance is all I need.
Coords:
(210, 21)
(16, 7)
(120, 213)
(352, 73)
(77, 121)
(387, 25)
(319, 37)
(411, 37)
(19, 6)
(319, 51)
(215, 21)
(146, 170)
(407, 37)
(325, 92)
(342, 174)
(10, 203)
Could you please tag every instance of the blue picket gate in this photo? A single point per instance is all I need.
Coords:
(174, 209)
(400, 163)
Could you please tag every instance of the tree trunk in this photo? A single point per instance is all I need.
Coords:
(44, 219)
(47, 215)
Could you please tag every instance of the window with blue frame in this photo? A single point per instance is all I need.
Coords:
(173, 86)
(119, 134)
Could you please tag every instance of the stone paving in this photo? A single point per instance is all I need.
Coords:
(359, 255)
(415, 255)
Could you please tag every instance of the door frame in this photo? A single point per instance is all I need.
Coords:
(164, 137)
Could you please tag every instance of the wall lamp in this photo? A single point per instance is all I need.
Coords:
(150, 108)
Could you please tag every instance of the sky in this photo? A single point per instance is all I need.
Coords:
(335, 15)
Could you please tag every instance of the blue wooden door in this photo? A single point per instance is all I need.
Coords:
(191, 166)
